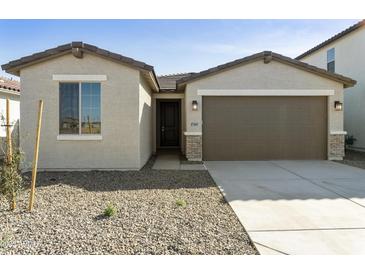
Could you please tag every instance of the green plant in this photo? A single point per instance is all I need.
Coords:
(350, 139)
(5, 237)
(110, 210)
(181, 202)
(11, 181)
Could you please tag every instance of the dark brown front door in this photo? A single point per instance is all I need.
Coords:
(169, 124)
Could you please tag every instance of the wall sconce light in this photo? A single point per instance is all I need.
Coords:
(338, 105)
(195, 105)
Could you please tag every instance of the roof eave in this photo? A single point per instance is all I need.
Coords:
(9, 91)
(153, 78)
(332, 39)
(267, 56)
(14, 67)
(346, 81)
(220, 68)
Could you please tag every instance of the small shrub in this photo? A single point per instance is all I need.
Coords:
(5, 237)
(350, 139)
(181, 202)
(110, 210)
(11, 182)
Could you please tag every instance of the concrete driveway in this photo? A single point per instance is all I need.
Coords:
(296, 207)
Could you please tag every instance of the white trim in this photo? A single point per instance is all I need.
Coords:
(12, 92)
(154, 81)
(79, 77)
(266, 92)
(77, 137)
(338, 132)
(190, 133)
(66, 137)
(168, 95)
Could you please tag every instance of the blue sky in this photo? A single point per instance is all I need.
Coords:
(171, 46)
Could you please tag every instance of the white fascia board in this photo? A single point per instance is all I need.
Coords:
(186, 133)
(266, 92)
(79, 77)
(8, 91)
(168, 95)
(154, 81)
(79, 137)
(339, 132)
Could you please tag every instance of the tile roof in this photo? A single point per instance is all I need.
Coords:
(165, 83)
(168, 82)
(267, 56)
(9, 84)
(332, 39)
(77, 49)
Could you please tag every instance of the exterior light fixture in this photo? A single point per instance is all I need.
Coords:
(338, 105)
(195, 105)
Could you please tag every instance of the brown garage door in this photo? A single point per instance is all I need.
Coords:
(264, 128)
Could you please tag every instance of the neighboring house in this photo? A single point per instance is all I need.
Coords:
(103, 110)
(10, 89)
(344, 53)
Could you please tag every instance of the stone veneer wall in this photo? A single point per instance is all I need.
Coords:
(193, 147)
(336, 146)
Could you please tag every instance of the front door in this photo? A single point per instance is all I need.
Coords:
(169, 124)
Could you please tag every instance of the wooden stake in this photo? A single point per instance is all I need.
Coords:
(35, 158)
(9, 147)
(8, 133)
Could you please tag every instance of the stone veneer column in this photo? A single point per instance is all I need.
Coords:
(193, 147)
(336, 146)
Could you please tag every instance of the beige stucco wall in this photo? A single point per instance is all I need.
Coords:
(349, 61)
(119, 148)
(145, 121)
(257, 75)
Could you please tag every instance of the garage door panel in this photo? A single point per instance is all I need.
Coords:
(264, 128)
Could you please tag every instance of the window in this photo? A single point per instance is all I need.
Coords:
(80, 108)
(69, 108)
(331, 60)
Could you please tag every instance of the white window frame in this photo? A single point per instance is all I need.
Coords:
(334, 55)
(331, 60)
(79, 77)
(80, 136)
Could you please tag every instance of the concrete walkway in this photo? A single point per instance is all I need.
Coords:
(167, 160)
(296, 207)
(170, 160)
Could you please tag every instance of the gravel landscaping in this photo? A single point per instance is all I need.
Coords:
(354, 158)
(158, 212)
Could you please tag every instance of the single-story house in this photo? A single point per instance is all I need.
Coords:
(103, 110)
(9, 89)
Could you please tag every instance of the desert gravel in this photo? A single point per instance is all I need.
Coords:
(354, 158)
(68, 215)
